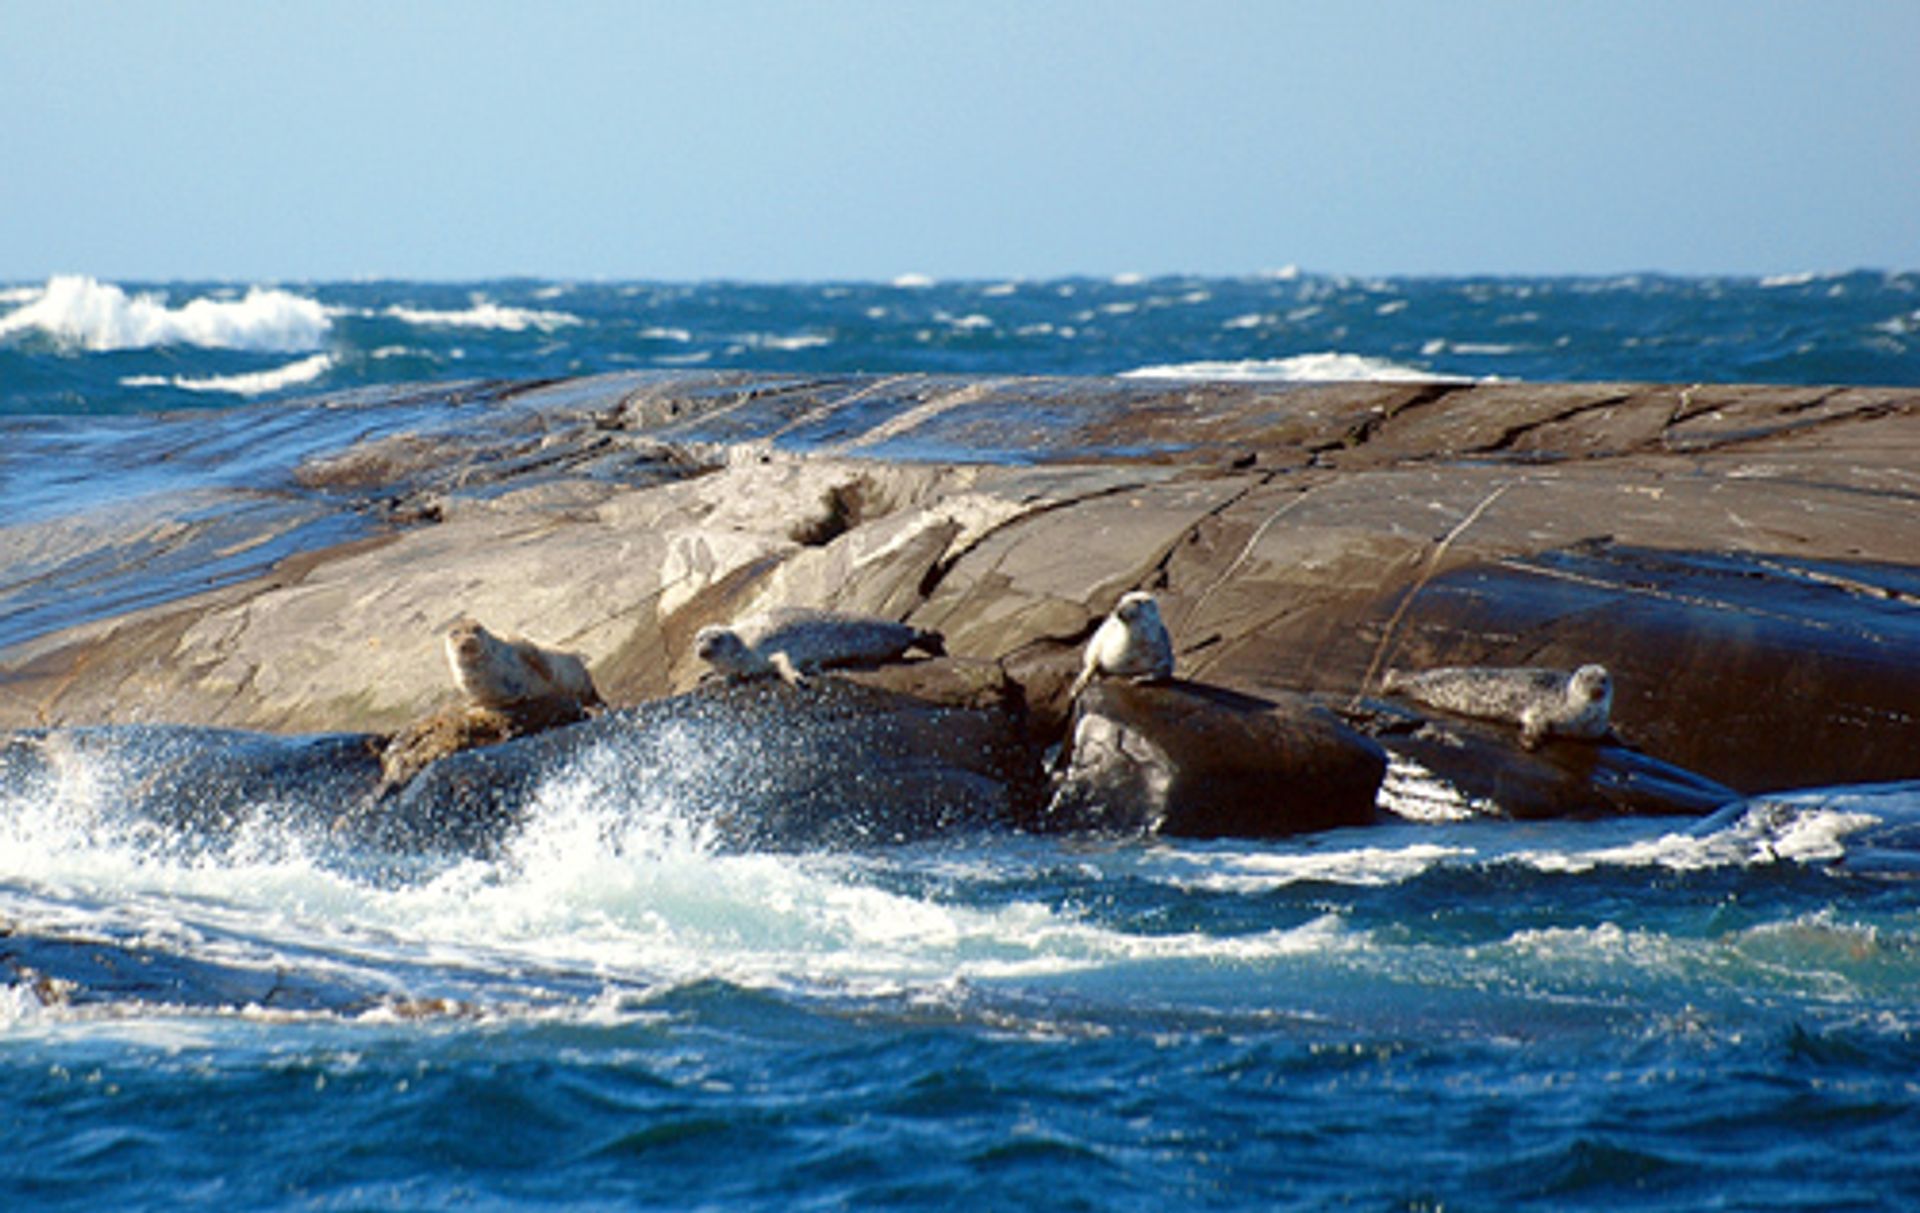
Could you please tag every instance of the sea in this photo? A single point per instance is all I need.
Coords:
(1445, 1011)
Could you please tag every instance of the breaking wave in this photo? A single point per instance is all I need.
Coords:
(88, 314)
(253, 383)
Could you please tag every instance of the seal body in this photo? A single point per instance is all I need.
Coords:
(1542, 702)
(497, 672)
(794, 642)
(1132, 642)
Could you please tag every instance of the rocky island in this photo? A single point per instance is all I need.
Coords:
(1743, 560)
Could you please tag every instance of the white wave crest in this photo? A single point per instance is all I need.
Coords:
(484, 314)
(99, 316)
(253, 383)
(785, 343)
(1327, 367)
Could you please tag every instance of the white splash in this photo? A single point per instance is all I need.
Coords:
(98, 316)
(913, 282)
(254, 383)
(1327, 367)
(485, 314)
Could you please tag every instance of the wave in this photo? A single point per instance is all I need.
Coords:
(785, 344)
(98, 316)
(254, 383)
(1327, 367)
(484, 314)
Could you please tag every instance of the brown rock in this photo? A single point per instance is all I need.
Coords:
(1183, 759)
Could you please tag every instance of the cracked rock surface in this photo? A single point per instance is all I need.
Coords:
(1745, 559)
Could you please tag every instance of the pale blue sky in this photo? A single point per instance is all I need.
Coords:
(782, 140)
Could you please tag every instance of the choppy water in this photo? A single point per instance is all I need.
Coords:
(1461, 1014)
(75, 344)
(1468, 1015)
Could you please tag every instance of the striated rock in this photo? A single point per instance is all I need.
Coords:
(1759, 671)
(1182, 759)
(1483, 770)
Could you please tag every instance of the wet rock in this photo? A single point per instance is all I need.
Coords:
(200, 786)
(1183, 759)
(1483, 770)
(761, 765)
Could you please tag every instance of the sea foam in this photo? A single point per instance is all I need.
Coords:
(93, 315)
(1326, 367)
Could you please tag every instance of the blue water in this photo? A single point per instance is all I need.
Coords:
(79, 345)
(615, 1013)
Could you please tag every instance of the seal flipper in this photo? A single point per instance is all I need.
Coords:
(783, 665)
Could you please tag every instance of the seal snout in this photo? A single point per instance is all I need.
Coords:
(1593, 683)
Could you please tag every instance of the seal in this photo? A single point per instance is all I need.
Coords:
(496, 672)
(1132, 642)
(794, 642)
(1542, 702)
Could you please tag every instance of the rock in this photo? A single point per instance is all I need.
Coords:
(198, 785)
(1182, 759)
(1760, 672)
(760, 765)
(1484, 770)
(465, 727)
(1742, 558)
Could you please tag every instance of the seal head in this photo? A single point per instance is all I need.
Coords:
(794, 642)
(1543, 702)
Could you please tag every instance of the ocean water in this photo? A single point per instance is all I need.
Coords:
(78, 345)
(1443, 1012)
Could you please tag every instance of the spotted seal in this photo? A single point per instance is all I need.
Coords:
(1542, 702)
(1132, 642)
(497, 672)
(794, 642)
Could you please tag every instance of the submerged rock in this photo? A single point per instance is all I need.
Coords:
(1182, 759)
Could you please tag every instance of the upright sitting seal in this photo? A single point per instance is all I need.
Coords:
(1542, 702)
(1132, 642)
(493, 672)
(511, 688)
(794, 642)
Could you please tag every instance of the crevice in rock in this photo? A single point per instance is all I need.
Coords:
(842, 507)
(1513, 434)
(1362, 432)
(1764, 433)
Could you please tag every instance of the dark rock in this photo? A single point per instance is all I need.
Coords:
(465, 727)
(1183, 759)
(198, 785)
(1764, 672)
(1486, 765)
(755, 765)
